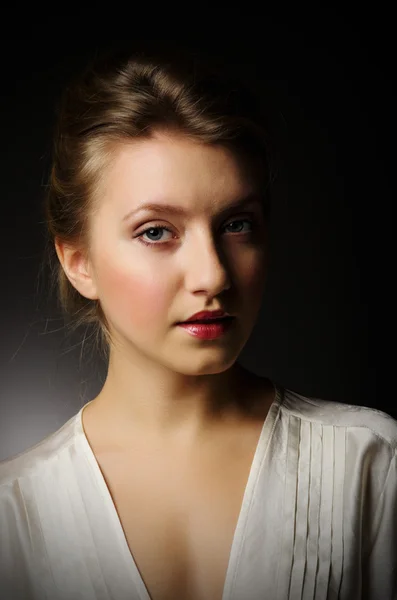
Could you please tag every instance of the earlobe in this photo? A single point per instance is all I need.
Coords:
(77, 269)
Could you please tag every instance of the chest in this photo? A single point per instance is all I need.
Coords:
(179, 517)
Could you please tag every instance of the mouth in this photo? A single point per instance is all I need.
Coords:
(207, 321)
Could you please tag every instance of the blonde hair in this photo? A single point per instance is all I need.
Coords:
(120, 98)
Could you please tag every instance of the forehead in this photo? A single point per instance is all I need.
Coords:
(174, 167)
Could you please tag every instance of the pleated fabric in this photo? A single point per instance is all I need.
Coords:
(318, 519)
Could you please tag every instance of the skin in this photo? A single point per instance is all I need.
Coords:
(162, 383)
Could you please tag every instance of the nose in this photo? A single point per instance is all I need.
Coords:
(205, 269)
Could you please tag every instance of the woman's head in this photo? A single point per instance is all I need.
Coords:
(140, 131)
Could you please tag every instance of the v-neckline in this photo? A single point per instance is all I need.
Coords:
(260, 453)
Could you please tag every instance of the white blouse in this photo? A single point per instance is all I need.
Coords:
(318, 518)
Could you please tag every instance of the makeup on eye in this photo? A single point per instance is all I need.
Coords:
(250, 220)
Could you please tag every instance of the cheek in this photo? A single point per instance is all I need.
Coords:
(134, 298)
(254, 287)
(252, 271)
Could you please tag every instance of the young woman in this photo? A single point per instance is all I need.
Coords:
(187, 477)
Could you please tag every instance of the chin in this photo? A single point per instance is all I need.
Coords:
(207, 367)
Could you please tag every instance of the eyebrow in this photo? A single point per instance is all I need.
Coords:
(165, 208)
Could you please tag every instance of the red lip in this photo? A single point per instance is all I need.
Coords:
(207, 315)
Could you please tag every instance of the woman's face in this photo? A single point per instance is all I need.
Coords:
(209, 256)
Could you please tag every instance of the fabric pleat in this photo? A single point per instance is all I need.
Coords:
(312, 546)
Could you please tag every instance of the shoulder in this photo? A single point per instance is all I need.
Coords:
(354, 447)
(373, 423)
(33, 460)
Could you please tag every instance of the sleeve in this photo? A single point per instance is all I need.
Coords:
(380, 561)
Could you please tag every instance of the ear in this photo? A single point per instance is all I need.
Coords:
(77, 269)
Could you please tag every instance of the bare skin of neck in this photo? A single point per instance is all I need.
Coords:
(246, 400)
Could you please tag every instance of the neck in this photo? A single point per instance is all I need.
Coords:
(157, 403)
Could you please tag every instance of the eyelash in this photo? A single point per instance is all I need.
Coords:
(251, 221)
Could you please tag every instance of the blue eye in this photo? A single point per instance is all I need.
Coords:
(240, 221)
(159, 228)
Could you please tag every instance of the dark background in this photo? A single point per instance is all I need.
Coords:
(330, 97)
